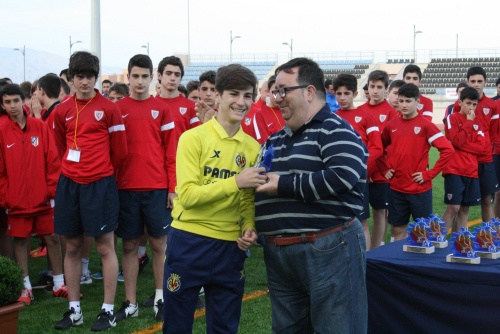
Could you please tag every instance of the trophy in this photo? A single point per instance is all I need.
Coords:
(463, 248)
(437, 231)
(485, 239)
(265, 157)
(418, 238)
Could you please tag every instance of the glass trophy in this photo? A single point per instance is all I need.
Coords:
(463, 248)
(485, 239)
(418, 238)
(437, 231)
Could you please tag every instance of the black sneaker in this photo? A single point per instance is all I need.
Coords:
(158, 309)
(143, 262)
(127, 311)
(105, 320)
(150, 302)
(44, 282)
(70, 318)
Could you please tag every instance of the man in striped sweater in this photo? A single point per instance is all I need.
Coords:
(307, 211)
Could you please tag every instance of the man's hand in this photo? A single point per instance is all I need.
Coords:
(389, 174)
(418, 177)
(271, 185)
(203, 111)
(247, 240)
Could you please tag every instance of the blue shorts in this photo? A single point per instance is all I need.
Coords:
(365, 214)
(496, 162)
(488, 183)
(194, 261)
(143, 208)
(461, 190)
(88, 209)
(379, 195)
(402, 206)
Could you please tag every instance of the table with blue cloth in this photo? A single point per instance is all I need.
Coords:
(422, 293)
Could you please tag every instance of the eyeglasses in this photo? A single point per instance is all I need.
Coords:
(282, 91)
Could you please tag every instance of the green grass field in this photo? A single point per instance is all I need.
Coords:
(45, 311)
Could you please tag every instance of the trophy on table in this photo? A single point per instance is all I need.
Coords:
(418, 238)
(437, 231)
(485, 239)
(463, 248)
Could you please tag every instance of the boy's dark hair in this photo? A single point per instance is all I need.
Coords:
(461, 85)
(142, 61)
(379, 75)
(235, 76)
(475, 70)
(3, 83)
(172, 60)
(413, 69)
(51, 85)
(65, 86)
(309, 73)
(65, 72)
(109, 81)
(26, 87)
(497, 82)
(192, 85)
(7, 79)
(11, 89)
(328, 82)
(365, 87)
(84, 63)
(409, 90)
(208, 76)
(396, 84)
(348, 81)
(120, 88)
(182, 89)
(469, 93)
(271, 81)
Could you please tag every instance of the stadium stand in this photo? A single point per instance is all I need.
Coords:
(193, 71)
(332, 68)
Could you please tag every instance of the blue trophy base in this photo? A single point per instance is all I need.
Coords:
(459, 259)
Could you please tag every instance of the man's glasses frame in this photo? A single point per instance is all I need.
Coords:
(284, 90)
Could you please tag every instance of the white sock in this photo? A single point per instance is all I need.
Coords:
(108, 308)
(27, 283)
(85, 267)
(158, 295)
(141, 251)
(75, 306)
(58, 282)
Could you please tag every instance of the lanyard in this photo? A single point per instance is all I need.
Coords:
(75, 146)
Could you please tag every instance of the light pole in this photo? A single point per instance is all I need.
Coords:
(415, 32)
(231, 38)
(146, 47)
(23, 51)
(71, 45)
(290, 45)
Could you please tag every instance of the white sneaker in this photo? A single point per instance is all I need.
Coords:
(85, 279)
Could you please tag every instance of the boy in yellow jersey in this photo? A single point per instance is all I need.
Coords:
(213, 216)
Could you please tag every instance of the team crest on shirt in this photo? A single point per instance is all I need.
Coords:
(155, 113)
(475, 126)
(449, 196)
(248, 120)
(98, 115)
(183, 110)
(486, 111)
(417, 129)
(241, 160)
(34, 141)
(420, 106)
(174, 283)
(382, 118)
(357, 119)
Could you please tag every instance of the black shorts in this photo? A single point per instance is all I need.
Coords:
(379, 195)
(88, 209)
(143, 208)
(461, 190)
(402, 206)
(488, 183)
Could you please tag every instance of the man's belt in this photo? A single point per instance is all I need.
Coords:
(283, 240)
